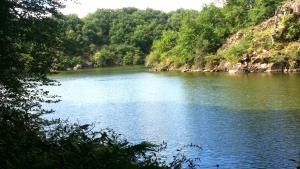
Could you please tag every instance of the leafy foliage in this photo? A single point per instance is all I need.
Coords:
(117, 55)
(201, 34)
(31, 40)
(24, 145)
(94, 38)
(236, 50)
(291, 31)
(28, 41)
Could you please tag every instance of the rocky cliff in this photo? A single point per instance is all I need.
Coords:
(271, 46)
(275, 45)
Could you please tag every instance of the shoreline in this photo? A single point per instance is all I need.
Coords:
(225, 66)
(183, 69)
(214, 71)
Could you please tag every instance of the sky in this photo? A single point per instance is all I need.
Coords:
(83, 7)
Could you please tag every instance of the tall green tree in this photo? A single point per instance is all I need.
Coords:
(28, 40)
(202, 33)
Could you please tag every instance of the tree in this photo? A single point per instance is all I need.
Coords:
(74, 41)
(27, 141)
(201, 34)
(263, 9)
(176, 18)
(28, 41)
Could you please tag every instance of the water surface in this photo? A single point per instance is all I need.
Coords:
(240, 121)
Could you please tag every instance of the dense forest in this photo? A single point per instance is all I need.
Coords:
(166, 41)
(109, 37)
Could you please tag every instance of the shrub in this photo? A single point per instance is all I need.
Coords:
(132, 58)
(235, 51)
(118, 55)
(293, 51)
(104, 57)
(211, 61)
(262, 39)
(64, 62)
(291, 25)
(276, 56)
(27, 142)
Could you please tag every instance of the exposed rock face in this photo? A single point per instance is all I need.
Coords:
(258, 64)
(296, 8)
(248, 64)
(232, 39)
(261, 58)
(290, 7)
(261, 64)
(222, 67)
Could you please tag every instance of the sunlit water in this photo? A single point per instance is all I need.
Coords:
(240, 121)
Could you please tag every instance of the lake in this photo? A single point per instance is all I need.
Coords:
(239, 120)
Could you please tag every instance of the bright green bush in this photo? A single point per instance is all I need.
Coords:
(162, 48)
(292, 51)
(104, 57)
(132, 58)
(276, 56)
(152, 59)
(117, 55)
(291, 25)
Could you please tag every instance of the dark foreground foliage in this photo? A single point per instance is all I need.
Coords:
(24, 144)
(27, 142)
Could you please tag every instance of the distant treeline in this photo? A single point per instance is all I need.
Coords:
(110, 37)
(130, 36)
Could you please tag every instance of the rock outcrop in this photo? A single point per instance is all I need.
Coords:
(269, 52)
(262, 59)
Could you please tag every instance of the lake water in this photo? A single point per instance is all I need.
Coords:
(240, 121)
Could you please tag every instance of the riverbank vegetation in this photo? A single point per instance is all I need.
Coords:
(108, 37)
(213, 39)
(245, 36)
